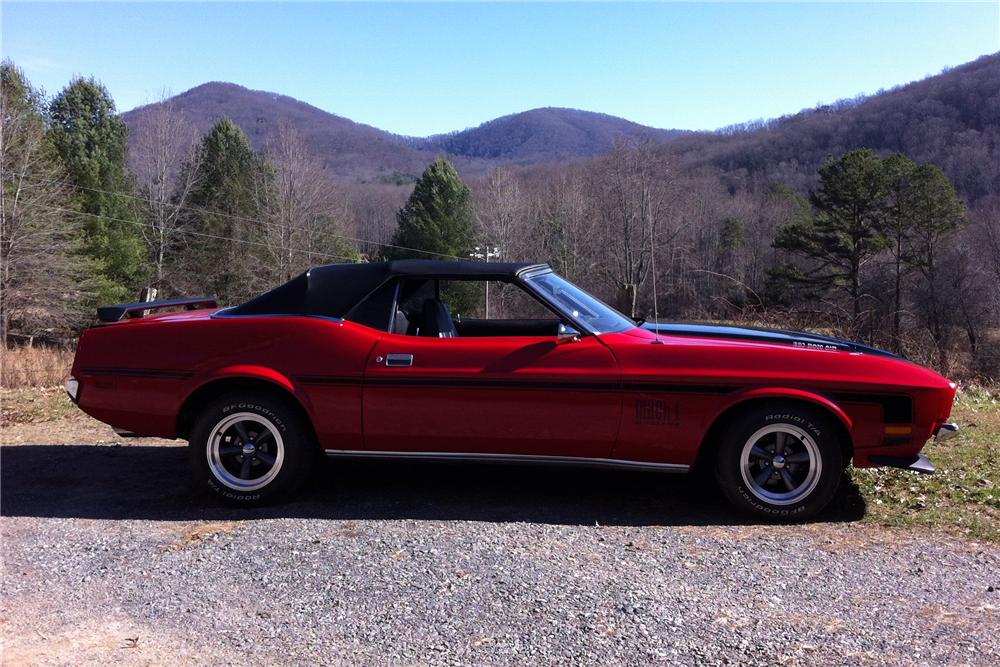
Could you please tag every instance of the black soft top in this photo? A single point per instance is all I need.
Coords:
(332, 290)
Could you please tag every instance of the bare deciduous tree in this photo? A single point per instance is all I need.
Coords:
(373, 213)
(562, 223)
(166, 167)
(633, 183)
(501, 212)
(307, 212)
(502, 225)
(40, 279)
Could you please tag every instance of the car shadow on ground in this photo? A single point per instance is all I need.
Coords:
(139, 482)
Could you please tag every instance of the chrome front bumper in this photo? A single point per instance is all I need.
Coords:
(917, 463)
(947, 430)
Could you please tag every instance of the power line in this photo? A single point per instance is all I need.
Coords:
(194, 233)
(232, 216)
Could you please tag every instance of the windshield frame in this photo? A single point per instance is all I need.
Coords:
(528, 279)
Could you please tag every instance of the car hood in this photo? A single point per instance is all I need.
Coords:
(763, 335)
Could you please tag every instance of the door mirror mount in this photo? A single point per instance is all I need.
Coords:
(567, 332)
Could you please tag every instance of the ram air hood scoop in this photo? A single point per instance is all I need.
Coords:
(761, 335)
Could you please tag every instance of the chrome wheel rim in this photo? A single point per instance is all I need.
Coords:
(781, 464)
(245, 451)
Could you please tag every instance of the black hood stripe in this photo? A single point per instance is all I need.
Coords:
(761, 335)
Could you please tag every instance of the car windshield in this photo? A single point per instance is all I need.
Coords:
(570, 299)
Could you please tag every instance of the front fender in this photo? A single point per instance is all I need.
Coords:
(791, 393)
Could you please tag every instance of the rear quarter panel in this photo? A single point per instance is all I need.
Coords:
(136, 375)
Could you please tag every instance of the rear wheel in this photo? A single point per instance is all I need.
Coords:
(782, 463)
(248, 449)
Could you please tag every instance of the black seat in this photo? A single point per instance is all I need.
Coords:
(437, 322)
(400, 323)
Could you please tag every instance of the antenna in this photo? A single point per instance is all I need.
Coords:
(652, 266)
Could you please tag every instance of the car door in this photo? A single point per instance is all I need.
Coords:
(514, 395)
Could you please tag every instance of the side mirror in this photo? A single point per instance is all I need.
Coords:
(567, 332)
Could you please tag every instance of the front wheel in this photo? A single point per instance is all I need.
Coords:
(780, 463)
(249, 448)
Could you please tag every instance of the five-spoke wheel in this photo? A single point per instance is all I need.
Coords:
(245, 451)
(781, 464)
(780, 461)
(251, 447)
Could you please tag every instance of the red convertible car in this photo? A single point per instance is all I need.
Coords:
(368, 360)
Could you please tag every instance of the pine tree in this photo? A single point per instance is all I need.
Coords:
(233, 188)
(846, 231)
(91, 141)
(438, 220)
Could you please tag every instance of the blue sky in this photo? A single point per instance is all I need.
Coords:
(419, 68)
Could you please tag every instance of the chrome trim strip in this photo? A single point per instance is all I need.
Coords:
(947, 431)
(224, 314)
(157, 373)
(525, 282)
(534, 271)
(509, 458)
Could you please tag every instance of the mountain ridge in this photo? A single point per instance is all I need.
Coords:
(534, 130)
(354, 150)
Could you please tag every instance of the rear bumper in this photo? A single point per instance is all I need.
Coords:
(72, 387)
(918, 463)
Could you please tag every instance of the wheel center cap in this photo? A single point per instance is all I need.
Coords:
(249, 449)
(778, 462)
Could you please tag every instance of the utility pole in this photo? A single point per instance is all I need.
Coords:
(485, 253)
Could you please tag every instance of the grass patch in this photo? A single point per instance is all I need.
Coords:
(963, 497)
(30, 406)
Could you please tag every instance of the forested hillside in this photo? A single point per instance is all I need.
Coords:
(952, 120)
(543, 135)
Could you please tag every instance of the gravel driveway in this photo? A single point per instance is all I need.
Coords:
(109, 559)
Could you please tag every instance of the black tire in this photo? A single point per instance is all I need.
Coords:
(233, 459)
(781, 462)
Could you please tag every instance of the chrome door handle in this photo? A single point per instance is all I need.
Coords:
(399, 360)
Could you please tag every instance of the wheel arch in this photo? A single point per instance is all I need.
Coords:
(757, 398)
(238, 380)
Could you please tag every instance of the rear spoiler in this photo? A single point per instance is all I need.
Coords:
(118, 312)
